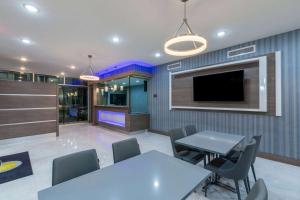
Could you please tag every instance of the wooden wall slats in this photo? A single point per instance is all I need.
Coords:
(11, 102)
(17, 116)
(27, 108)
(14, 87)
(22, 130)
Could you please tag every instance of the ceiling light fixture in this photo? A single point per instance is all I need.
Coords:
(26, 41)
(116, 39)
(22, 68)
(200, 43)
(73, 67)
(31, 8)
(62, 73)
(89, 74)
(23, 59)
(157, 55)
(221, 34)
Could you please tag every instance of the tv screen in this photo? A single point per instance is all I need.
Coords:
(228, 86)
(118, 99)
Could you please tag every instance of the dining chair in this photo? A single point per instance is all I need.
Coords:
(235, 171)
(74, 165)
(125, 149)
(182, 152)
(259, 191)
(190, 130)
(234, 155)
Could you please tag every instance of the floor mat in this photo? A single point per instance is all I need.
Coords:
(15, 166)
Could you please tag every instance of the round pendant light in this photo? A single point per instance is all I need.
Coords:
(89, 74)
(199, 43)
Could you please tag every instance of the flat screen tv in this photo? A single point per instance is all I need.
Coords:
(228, 86)
(118, 99)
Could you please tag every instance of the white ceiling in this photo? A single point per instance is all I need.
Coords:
(64, 32)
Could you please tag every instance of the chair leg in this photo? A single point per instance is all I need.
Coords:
(237, 189)
(248, 182)
(253, 171)
(246, 185)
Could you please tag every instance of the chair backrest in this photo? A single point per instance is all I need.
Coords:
(243, 164)
(125, 149)
(259, 191)
(74, 165)
(176, 134)
(257, 139)
(190, 130)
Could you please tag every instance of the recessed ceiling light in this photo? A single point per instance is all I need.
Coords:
(73, 67)
(26, 41)
(22, 68)
(31, 8)
(23, 59)
(116, 39)
(157, 55)
(221, 34)
(62, 73)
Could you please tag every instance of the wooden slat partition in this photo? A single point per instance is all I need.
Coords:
(27, 108)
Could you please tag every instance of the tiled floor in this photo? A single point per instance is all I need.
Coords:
(283, 181)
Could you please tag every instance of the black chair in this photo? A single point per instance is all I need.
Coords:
(74, 165)
(190, 130)
(183, 152)
(125, 149)
(235, 171)
(234, 155)
(259, 191)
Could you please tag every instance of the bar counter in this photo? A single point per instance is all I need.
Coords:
(119, 117)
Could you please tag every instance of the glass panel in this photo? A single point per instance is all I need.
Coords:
(3, 75)
(51, 79)
(138, 95)
(72, 104)
(21, 76)
(113, 92)
(39, 78)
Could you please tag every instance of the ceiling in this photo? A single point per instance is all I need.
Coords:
(64, 32)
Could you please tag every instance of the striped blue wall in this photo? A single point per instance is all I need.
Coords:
(281, 135)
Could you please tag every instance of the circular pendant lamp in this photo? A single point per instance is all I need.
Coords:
(89, 74)
(199, 43)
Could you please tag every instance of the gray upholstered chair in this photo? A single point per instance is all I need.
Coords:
(190, 130)
(125, 149)
(181, 151)
(74, 165)
(259, 191)
(234, 155)
(235, 171)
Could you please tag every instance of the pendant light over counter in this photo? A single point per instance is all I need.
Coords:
(199, 43)
(89, 74)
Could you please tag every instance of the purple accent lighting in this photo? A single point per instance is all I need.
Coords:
(126, 66)
(111, 117)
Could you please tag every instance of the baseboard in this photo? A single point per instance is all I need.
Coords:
(278, 158)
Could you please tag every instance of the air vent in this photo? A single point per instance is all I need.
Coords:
(174, 66)
(241, 51)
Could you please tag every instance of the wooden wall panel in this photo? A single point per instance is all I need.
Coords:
(182, 88)
(15, 87)
(17, 116)
(10, 102)
(22, 130)
(27, 108)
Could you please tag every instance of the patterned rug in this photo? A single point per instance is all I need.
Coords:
(15, 166)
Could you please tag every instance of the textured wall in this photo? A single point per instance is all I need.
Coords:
(281, 135)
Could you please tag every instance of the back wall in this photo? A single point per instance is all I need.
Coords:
(280, 134)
